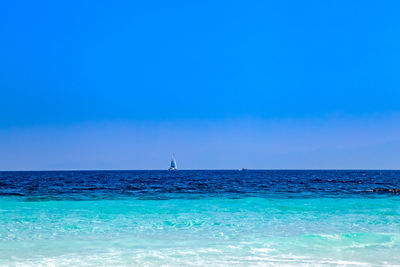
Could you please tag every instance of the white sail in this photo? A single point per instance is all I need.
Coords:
(173, 165)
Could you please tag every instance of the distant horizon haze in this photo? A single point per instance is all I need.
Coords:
(235, 144)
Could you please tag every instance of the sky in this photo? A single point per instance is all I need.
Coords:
(221, 84)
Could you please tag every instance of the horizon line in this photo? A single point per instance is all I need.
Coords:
(237, 169)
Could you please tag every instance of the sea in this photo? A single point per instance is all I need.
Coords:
(200, 218)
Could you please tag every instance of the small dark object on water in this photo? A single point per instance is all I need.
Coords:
(387, 190)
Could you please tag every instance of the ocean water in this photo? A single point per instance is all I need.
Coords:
(207, 218)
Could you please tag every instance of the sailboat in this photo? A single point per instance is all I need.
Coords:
(173, 166)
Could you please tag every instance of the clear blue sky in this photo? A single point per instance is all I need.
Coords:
(222, 84)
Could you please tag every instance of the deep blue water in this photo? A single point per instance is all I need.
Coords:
(84, 185)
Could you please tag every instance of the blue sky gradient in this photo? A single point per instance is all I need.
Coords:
(222, 84)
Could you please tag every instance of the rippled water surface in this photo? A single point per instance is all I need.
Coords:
(209, 218)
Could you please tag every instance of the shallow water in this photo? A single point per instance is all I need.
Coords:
(210, 218)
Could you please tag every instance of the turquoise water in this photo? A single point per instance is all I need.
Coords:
(201, 218)
(248, 231)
